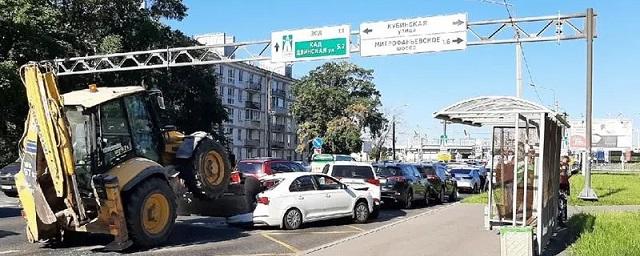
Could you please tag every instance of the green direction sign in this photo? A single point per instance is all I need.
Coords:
(321, 48)
(311, 44)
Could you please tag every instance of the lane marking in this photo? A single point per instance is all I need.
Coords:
(291, 248)
(371, 231)
(356, 228)
(9, 251)
(313, 232)
(258, 254)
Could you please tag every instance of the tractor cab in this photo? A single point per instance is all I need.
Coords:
(111, 125)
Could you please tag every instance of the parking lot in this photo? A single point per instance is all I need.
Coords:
(196, 235)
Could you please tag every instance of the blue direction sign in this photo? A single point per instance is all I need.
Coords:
(317, 142)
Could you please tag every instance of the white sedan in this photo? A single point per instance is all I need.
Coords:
(291, 199)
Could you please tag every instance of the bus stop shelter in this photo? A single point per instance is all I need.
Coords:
(525, 160)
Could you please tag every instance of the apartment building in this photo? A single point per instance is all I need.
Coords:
(258, 102)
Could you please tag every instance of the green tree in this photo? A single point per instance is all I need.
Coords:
(337, 101)
(35, 30)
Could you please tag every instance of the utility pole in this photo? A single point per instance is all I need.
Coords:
(269, 113)
(587, 192)
(393, 137)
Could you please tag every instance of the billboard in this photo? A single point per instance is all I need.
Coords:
(607, 134)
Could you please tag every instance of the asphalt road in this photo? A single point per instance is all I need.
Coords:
(195, 235)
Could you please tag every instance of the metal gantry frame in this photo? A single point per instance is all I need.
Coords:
(489, 32)
(531, 29)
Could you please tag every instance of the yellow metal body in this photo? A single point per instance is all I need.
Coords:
(130, 169)
(46, 136)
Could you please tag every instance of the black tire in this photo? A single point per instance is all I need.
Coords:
(407, 203)
(454, 195)
(292, 219)
(427, 202)
(10, 193)
(202, 174)
(441, 196)
(361, 212)
(134, 210)
(375, 213)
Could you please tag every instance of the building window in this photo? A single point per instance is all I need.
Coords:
(239, 115)
(240, 75)
(230, 95)
(251, 78)
(230, 111)
(221, 91)
(221, 70)
(232, 75)
(239, 134)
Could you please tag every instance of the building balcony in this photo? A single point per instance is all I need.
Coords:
(255, 124)
(280, 111)
(253, 86)
(278, 128)
(277, 144)
(252, 143)
(279, 92)
(252, 104)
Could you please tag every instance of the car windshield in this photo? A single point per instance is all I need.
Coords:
(249, 167)
(350, 171)
(388, 171)
(461, 171)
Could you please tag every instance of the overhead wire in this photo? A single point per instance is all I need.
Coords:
(524, 56)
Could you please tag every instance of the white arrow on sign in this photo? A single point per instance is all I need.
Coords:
(403, 36)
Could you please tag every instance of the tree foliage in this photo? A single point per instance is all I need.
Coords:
(34, 30)
(337, 101)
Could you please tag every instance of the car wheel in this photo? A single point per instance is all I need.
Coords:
(441, 197)
(426, 199)
(408, 201)
(361, 212)
(292, 219)
(375, 213)
(10, 193)
(454, 195)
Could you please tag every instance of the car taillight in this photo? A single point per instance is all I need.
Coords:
(263, 200)
(235, 177)
(374, 181)
(266, 168)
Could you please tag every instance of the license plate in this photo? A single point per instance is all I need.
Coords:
(383, 181)
(6, 187)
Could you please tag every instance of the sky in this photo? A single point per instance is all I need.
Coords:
(415, 86)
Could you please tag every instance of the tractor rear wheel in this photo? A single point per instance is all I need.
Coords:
(209, 171)
(150, 212)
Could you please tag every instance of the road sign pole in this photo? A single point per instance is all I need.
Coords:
(587, 192)
(393, 137)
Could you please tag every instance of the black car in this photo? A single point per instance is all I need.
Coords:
(7, 182)
(402, 184)
(443, 185)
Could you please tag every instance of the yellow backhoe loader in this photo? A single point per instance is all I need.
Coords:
(97, 160)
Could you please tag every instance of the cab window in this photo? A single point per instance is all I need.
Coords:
(115, 139)
(142, 127)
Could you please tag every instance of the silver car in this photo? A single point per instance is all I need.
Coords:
(467, 179)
